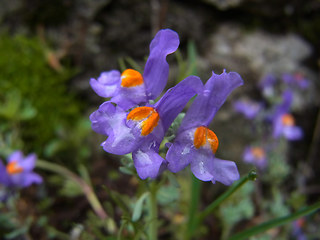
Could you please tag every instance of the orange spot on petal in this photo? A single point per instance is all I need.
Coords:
(213, 140)
(131, 78)
(258, 152)
(149, 114)
(140, 113)
(150, 123)
(202, 135)
(287, 120)
(13, 168)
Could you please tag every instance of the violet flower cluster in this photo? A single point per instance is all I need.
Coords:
(18, 172)
(279, 118)
(133, 125)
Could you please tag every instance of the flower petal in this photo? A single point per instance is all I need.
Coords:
(106, 117)
(249, 109)
(15, 156)
(111, 121)
(277, 127)
(107, 83)
(121, 140)
(292, 133)
(181, 152)
(127, 98)
(26, 179)
(147, 162)
(284, 106)
(4, 177)
(28, 162)
(202, 165)
(205, 106)
(225, 171)
(175, 99)
(256, 156)
(156, 70)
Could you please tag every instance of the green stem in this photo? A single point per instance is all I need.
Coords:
(194, 202)
(275, 222)
(192, 226)
(251, 176)
(86, 188)
(153, 213)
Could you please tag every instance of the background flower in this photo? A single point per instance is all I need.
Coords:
(19, 171)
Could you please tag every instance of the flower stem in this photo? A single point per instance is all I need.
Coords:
(251, 176)
(194, 201)
(246, 234)
(86, 188)
(200, 217)
(153, 213)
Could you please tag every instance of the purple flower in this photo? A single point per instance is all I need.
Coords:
(141, 130)
(256, 156)
(297, 230)
(296, 80)
(267, 84)
(284, 122)
(130, 88)
(249, 109)
(18, 171)
(195, 143)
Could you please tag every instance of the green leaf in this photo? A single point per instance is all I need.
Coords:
(167, 194)
(137, 210)
(275, 222)
(127, 170)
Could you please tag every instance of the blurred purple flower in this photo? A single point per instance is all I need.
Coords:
(141, 130)
(18, 171)
(284, 122)
(267, 84)
(297, 231)
(130, 88)
(195, 143)
(256, 156)
(296, 80)
(249, 109)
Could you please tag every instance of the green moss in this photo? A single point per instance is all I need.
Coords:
(25, 69)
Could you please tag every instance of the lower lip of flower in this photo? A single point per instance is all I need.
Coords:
(204, 135)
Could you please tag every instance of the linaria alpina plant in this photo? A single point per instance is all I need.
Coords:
(195, 143)
(18, 173)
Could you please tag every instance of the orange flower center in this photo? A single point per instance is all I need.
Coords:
(149, 116)
(13, 168)
(131, 78)
(204, 135)
(287, 120)
(298, 76)
(258, 152)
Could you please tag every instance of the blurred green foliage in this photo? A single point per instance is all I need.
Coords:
(34, 97)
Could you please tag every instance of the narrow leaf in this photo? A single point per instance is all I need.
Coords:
(246, 234)
(139, 206)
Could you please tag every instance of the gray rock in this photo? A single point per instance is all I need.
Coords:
(256, 52)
